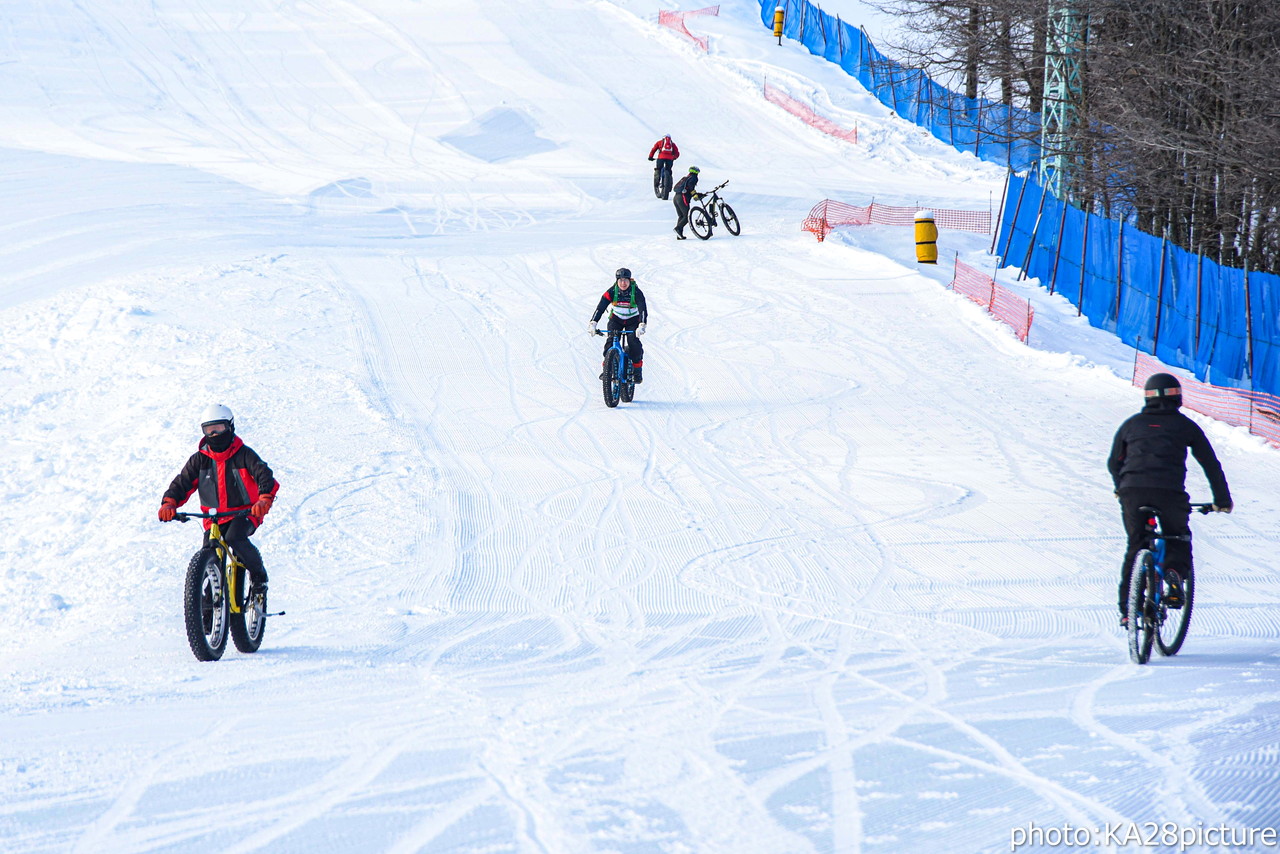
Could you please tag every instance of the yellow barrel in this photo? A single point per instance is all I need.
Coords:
(777, 22)
(926, 238)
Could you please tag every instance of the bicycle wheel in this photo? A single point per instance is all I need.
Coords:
(1173, 629)
(700, 222)
(611, 386)
(204, 605)
(1142, 623)
(248, 626)
(666, 184)
(657, 183)
(730, 219)
(628, 390)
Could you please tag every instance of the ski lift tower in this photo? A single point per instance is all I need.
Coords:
(1063, 94)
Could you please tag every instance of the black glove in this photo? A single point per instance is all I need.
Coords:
(650, 159)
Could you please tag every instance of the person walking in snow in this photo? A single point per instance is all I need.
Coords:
(667, 153)
(229, 475)
(1148, 465)
(627, 310)
(686, 191)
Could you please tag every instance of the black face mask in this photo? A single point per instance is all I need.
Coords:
(220, 442)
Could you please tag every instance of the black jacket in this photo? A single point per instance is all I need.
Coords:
(628, 305)
(686, 187)
(1150, 452)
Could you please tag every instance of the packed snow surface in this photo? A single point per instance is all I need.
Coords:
(841, 578)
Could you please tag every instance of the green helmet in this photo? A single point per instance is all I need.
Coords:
(694, 170)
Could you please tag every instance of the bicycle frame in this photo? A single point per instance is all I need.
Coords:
(226, 555)
(711, 202)
(624, 356)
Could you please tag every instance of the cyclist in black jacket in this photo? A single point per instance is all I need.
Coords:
(1148, 465)
(627, 310)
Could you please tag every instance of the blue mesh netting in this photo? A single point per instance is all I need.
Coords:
(977, 125)
(1182, 308)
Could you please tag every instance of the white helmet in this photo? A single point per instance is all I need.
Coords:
(217, 412)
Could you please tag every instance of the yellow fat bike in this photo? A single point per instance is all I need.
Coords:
(216, 600)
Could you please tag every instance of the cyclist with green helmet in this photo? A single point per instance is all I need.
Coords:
(686, 190)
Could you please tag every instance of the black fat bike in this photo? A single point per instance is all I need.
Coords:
(709, 210)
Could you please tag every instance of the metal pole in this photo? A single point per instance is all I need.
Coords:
(1084, 255)
(1155, 338)
(1119, 272)
(1062, 221)
(1035, 231)
(995, 232)
(1199, 279)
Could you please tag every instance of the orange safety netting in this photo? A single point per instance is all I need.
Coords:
(1003, 303)
(1257, 411)
(827, 215)
(774, 95)
(675, 20)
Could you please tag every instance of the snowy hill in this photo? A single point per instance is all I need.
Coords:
(842, 577)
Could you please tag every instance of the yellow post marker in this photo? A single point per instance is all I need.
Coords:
(777, 22)
(926, 238)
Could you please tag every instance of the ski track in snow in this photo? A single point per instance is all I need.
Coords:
(841, 578)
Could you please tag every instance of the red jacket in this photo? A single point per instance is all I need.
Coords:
(665, 148)
(228, 480)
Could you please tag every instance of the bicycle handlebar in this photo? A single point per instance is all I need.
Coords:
(182, 517)
(1203, 509)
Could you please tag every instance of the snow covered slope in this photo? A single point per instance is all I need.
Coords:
(842, 577)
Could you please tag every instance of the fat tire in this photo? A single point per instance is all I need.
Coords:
(730, 220)
(700, 222)
(247, 627)
(661, 183)
(1177, 620)
(1142, 629)
(628, 390)
(610, 384)
(204, 605)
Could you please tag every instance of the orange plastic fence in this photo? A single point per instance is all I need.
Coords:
(1255, 410)
(1003, 303)
(675, 20)
(826, 215)
(802, 111)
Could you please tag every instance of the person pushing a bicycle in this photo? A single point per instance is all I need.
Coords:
(686, 190)
(627, 310)
(1148, 465)
(229, 475)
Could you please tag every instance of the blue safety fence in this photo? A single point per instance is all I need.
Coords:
(1220, 323)
(989, 129)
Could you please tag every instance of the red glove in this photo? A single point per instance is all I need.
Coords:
(262, 506)
(168, 509)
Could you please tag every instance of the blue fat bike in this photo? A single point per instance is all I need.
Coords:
(1159, 600)
(618, 379)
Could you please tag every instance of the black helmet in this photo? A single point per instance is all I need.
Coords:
(622, 273)
(1163, 390)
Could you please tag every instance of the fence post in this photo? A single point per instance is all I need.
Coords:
(1013, 222)
(1062, 222)
(1248, 327)
(1035, 231)
(995, 232)
(1155, 338)
(1119, 272)
(1084, 256)
(1199, 279)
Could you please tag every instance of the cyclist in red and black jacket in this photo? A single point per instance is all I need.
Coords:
(229, 475)
(627, 310)
(686, 190)
(667, 153)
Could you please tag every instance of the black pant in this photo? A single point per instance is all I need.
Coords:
(1175, 518)
(682, 213)
(237, 536)
(635, 350)
(664, 169)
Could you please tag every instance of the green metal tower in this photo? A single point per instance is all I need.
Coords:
(1065, 41)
